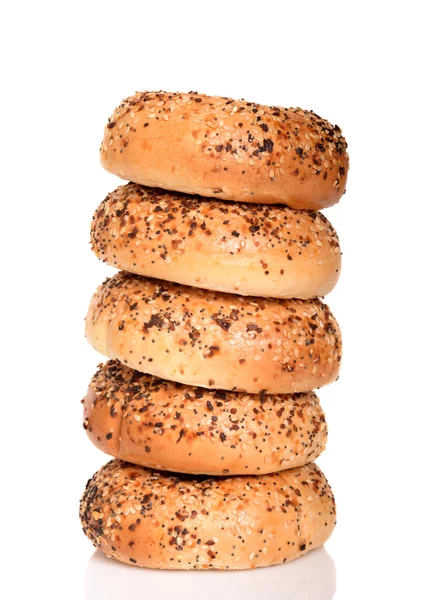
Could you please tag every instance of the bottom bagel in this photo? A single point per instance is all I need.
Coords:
(164, 521)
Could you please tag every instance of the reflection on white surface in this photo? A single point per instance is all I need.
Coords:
(312, 577)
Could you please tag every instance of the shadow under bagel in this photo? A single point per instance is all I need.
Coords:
(311, 577)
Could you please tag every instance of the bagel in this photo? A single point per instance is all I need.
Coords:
(249, 249)
(160, 520)
(214, 340)
(163, 425)
(228, 149)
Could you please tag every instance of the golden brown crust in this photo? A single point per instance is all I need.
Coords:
(270, 251)
(164, 425)
(212, 339)
(230, 149)
(159, 520)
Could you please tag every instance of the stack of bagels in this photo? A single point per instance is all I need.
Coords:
(215, 333)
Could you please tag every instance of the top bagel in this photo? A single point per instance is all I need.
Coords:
(227, 149)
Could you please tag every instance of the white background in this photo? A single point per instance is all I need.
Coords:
(363, 66)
